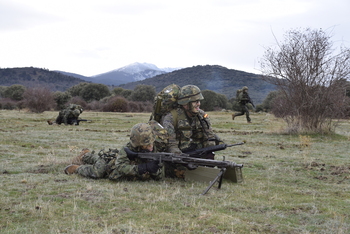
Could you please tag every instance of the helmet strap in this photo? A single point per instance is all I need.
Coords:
(190, 109)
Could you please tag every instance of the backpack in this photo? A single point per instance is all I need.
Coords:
(238, 96)
(165, 101)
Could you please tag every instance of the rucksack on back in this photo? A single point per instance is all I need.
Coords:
(165, 101)
(238, 92)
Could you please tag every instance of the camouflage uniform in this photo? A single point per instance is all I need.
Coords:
(243, 100)
(96, 165)
(187, 133)
(69, 115)
(127, 169)
(117, 165)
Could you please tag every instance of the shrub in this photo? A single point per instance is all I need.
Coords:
(116, 104)
(7, 104)
(78, 101)
(38, 99)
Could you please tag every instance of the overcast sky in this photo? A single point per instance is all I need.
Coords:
(93, 37)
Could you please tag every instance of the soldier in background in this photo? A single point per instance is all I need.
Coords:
(188, 126)
(69, 115)
(243, 99)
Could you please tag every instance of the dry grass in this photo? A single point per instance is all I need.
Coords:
(293, 184)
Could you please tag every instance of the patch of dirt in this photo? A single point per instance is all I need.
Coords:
(41, 169)
(244, 154)
(330, 173)
(321, 177)
(316, 166)
(340, 170)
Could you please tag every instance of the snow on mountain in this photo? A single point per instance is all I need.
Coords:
(170, 69)
(132, 72)
(138, 67)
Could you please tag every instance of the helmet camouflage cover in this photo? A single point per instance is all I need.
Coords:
(189, 93)
(141, 135)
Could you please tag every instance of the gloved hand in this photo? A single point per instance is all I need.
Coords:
(150, 167)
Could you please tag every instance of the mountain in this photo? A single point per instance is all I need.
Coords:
(33, 77)
(85, 78)
(211, 77)
(129, 73)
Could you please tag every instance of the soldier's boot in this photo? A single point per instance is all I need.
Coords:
(78, 160)
(180, 173)
(71, 169)
(233, 116)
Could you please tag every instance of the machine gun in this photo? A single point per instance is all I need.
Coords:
(77, 121)
(191, 163)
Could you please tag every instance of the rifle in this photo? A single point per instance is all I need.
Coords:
(189, 162)
(198, 153)
(252, 104)
(77, 121)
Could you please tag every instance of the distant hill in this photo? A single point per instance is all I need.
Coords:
(123, 75)
(33, 77)
(211, 77)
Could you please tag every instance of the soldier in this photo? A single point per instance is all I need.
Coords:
(188, 126)
(243, 99)
(69, 115)
(117, 165)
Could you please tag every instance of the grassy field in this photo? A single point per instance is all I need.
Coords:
(292, 184)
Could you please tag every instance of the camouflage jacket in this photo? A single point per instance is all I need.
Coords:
(188, 132)
(244, 98)
(123, 168)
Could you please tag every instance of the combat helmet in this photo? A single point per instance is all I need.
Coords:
(141, 134)
(72, 106)
(189, 93)
(244, 88)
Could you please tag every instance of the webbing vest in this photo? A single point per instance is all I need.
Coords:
(195, 132)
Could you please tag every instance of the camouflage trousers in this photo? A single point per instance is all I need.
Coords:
(244, 110)
(94, 166)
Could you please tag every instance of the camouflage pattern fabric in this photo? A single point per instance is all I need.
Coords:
(116, 165)
(189, 93)
(69, 115)
(126, 169)
(96, 165)
(244, 99)
(244, 110)
(141, 135)
(161, 136)
(188, 132)
(165, 101)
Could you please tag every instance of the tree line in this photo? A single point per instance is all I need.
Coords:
(310, 73)
(97, 97)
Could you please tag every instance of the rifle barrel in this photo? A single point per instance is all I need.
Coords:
(241, 143)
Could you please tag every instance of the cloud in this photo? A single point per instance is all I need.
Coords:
(92, 37)
(14, 16)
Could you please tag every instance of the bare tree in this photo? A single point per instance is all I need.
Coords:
(310, 75)
(38, 99)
